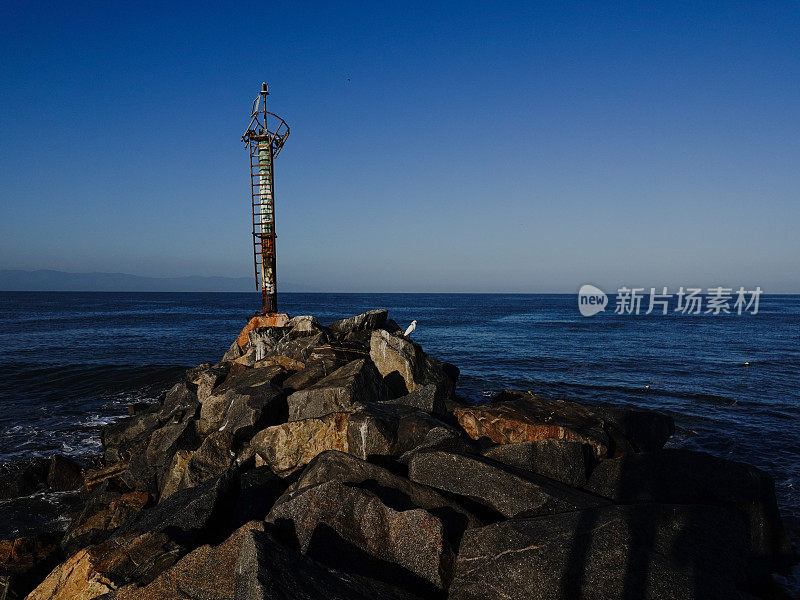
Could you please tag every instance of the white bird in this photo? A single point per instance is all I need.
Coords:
(411, 328)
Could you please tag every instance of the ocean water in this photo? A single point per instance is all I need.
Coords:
(70, 362)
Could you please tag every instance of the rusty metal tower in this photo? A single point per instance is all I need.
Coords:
(265, 136)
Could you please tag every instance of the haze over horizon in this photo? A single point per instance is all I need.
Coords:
(434, 147)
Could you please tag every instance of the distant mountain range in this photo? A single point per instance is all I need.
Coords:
(61, 281)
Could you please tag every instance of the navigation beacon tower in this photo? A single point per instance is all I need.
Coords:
(265, 136)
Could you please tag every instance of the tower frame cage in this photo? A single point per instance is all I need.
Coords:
(264, 137)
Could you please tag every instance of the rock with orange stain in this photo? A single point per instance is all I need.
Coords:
(524, 417)
(74, 579)
(273, 320)
(373, 430)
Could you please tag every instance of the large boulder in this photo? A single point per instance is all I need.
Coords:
(189, 516)
(210, 379)
(687, 477)
(101, 569)
(75, 578)
(350, 528)
(398, 492)
(24, 563)
(244, 403)
(521, 417)
(146, 545)
(655, 552)
(64, 474)
(188, 469)
(167, 440)
(311, 373)
(644, 430)
(446, 439)
(287, 447)
(300, 345)
(405, 367)
(375, 430)
(304, 324)
(122, 437)
(367, 321)
(277, 320)
(268, 569)
(259, 488)
(341, 391)
(206, 573)
(508, 491)
(264, 340)
(426, 398)
(105, 510)
(23, 477)
(179, 404)
(561, 460)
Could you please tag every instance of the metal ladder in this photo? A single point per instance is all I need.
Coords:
(261, 185)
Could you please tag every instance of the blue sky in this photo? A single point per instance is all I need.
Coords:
(526, 147)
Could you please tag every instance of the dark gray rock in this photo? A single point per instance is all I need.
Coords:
(167, 440)
(179, 404)
(259, 489)
(267, 570)
(192, 374)
(244, 403)
(425, 398)
(395, 491)
(349, 527)
(304, 324)
(561, 460)
(655, 552)
(264, 340)
(191, 516)
(372, 319)
(214, 456)
(121, 437)
(64, 474)
(378, 429)
(341, 391)
(233, 352)
(645, 430)
(300, 346)
(445, 439)
(509, 491)
(210, 379)
(340, 353)
(405, 367)
(314, 370)
(23, 477)
(687, 477)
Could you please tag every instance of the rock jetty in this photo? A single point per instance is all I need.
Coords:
(338, 462)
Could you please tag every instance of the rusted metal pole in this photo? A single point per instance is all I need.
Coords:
(264, 145)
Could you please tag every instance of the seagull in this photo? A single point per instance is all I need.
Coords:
(411, 328)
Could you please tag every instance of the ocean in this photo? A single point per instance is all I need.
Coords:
(70, 362)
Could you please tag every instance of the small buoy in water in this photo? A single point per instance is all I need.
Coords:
(647, 387)
(746, 364)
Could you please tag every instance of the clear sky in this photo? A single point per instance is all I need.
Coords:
(527, 147)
